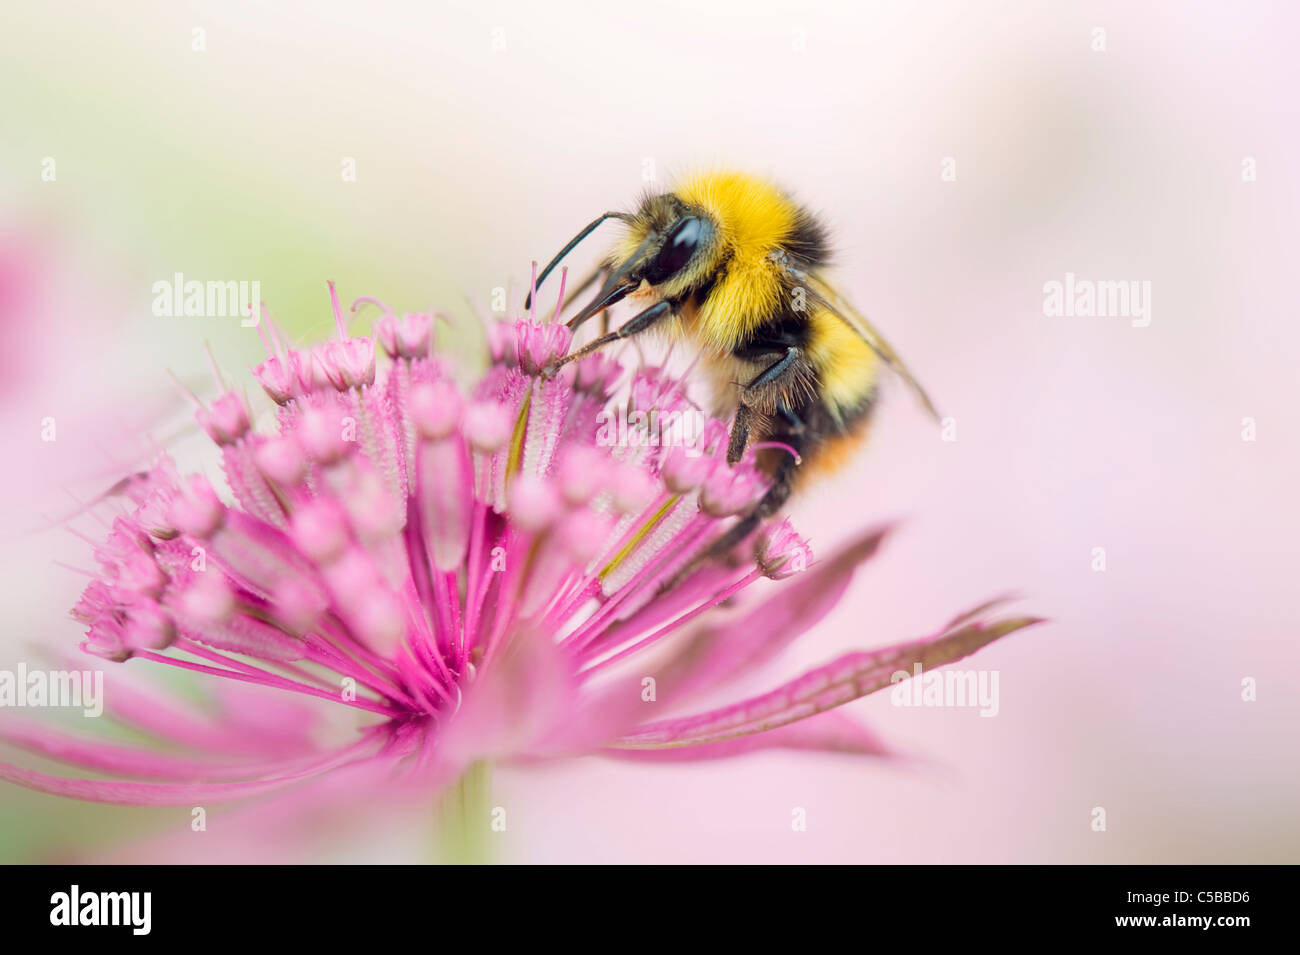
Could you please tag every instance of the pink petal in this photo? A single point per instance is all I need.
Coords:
(713, 655)
(800, 602)
(144, 707)
(847, 678)
(130, 793)
(107, 757)
(716, 654)
(828, 732)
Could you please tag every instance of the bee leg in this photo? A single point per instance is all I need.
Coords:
(773, 372)
(744, 411)
(633, 326)
(768, 504)
(779, 492)
(739, 433)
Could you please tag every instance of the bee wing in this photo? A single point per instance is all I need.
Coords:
(825, 295)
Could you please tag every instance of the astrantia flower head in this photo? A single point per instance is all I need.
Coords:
(472, 575)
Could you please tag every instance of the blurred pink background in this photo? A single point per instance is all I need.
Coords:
(485, 134)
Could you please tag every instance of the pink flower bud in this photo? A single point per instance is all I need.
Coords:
(488, 426)
(783, 553)
(321, 434)
(633, 490)
(684, 472)
(730, 490)
(534, 504)
(405, 337)
(320, 530)
(539, 344)
(436, 409)
(281, 460)
(227, 420)
(196, 510)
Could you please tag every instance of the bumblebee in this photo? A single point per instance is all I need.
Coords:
(730, 263)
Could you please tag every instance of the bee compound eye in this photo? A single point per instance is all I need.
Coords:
(681, 244)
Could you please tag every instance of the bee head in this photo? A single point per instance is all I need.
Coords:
(667, 243)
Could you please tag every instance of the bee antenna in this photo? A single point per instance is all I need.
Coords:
(569, 247)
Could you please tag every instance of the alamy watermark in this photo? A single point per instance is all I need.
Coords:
(179, 298)
(69, 689)
(1086, 298)
(946, 688)
(651, 428)
(131, 909)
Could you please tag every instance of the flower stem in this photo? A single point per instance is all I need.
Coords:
(464, 818)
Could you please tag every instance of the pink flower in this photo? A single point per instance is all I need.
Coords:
(465, 576)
